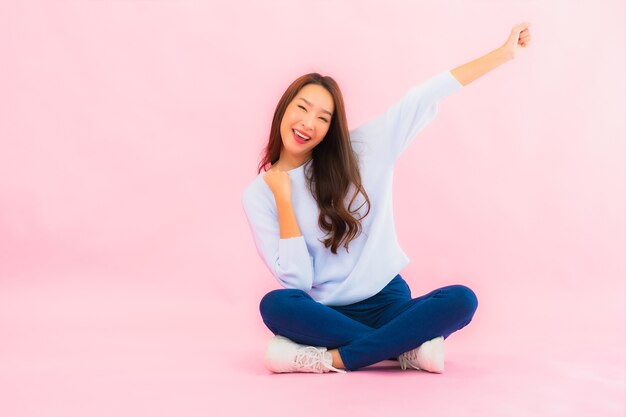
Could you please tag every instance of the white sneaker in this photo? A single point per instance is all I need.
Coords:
(283, 355)
(428, 356)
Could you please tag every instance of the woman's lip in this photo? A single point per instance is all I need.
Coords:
(302, 133)
(298, 138)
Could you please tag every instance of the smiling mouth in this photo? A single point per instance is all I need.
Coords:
(300, 137)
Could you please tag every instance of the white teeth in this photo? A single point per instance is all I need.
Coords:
(301, 135)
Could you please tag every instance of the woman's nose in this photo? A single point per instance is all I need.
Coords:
(307, 123)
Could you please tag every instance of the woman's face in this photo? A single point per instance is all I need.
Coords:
(306, 121)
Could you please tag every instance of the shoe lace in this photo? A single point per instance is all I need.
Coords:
(408, 359)
(312, 358)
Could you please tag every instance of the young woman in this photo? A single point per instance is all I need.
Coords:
(321, 215)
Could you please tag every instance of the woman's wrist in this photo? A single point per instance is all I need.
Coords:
(504, 54)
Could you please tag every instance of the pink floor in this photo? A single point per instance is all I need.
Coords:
(116, 349)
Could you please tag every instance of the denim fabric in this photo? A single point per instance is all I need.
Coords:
(380, 327)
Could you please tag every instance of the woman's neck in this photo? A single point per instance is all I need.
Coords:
(287, 163)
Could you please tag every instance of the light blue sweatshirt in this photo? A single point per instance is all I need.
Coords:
(374, 257)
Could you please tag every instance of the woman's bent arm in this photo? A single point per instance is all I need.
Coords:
(280, 184)
(288, 259)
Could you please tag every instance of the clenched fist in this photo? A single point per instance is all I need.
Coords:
(279, 182)
(519, 38)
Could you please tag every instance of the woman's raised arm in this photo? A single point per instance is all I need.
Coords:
(519, 38)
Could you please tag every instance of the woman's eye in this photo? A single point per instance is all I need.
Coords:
(301, 107)
(324, 120)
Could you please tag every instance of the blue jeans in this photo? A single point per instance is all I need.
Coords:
(378, 328)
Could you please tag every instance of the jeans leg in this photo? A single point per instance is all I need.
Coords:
(411, 323)
(295, 315)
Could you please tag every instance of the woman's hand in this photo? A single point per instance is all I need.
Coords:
(519, 38)
(279, 182)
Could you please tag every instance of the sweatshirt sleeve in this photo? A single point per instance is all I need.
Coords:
(390, 133)
(287, 259)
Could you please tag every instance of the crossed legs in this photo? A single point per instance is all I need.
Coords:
(381, 327)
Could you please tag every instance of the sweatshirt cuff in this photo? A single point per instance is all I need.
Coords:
(446, 84)
(292, 247)
(295, 266)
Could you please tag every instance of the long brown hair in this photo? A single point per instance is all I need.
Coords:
(334, 166)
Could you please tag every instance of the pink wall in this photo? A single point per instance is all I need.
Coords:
(128, 130)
